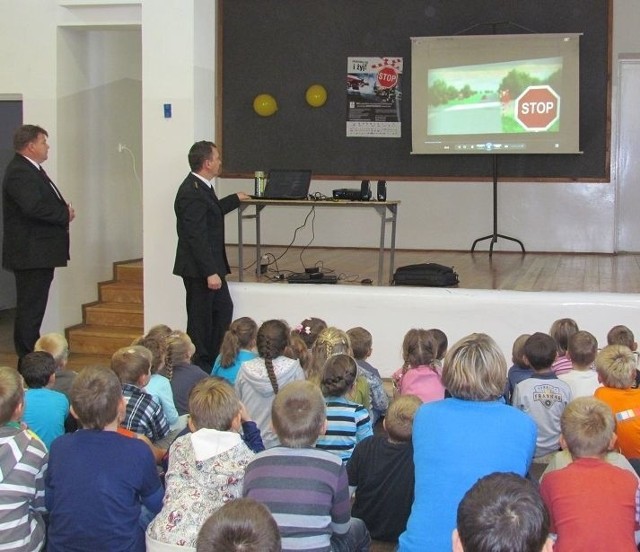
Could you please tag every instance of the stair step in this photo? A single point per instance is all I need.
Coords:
(121, 292)
(100, 340)
(129, 271)
(115, 314)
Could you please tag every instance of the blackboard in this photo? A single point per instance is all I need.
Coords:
(281, 47)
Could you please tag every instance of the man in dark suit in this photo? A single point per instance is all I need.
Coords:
(201, 259)
(36, 232)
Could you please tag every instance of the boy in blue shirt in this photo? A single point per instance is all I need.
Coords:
(98, 480)
(45, 410)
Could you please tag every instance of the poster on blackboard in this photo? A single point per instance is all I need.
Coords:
(374, 94)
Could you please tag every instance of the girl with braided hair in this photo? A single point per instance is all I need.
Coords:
(332, 341)
(179, 369)
(260, 379)
(348, 422)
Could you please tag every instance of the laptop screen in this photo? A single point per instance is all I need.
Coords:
(288, 184)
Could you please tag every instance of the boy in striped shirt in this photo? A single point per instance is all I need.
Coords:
(305, 489)
(23, 463)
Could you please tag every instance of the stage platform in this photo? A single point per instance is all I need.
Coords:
(505, 296)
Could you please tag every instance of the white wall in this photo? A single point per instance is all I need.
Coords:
(175, 64)
(80, 79)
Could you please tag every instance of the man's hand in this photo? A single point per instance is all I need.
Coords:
(72, 212)
(242, 196)
(214, 282)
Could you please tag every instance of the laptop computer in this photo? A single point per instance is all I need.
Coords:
(287, 184)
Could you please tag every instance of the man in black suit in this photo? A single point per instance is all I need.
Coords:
(36, 232)
(201, 259)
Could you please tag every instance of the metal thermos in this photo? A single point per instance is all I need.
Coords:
(259, 183)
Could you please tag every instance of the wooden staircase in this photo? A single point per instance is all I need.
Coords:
(113, 321)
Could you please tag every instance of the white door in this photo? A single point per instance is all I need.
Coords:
(627, 156)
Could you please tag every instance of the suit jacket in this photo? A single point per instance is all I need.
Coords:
(200, 225)
(36, 220)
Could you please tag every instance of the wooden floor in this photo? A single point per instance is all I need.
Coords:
(510, 271)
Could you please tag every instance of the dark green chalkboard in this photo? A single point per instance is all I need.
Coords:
(283, 46)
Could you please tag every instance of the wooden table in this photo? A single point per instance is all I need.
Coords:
(388, 211)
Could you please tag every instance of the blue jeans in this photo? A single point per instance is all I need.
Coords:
(356, 539)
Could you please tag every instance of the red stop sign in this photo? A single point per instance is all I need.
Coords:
(537, 108)
(387, 77)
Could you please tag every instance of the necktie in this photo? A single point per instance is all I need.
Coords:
(53, 186)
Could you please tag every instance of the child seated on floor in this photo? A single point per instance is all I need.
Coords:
(261, 379)
(361, 345)
(179, 369)
(309, 330)
(582, 378)
(45, 410)
(348, 423)
(306, 489)
(502, 512)
(561, 330)
(593, 504)
(381, 473)
(616, 367)
(242, 525)
(519, 369)
(56, 345)
(622, 335)
(23, 464)
(143, 414)
(159, 386)
(238, 346)
(333, 341)
(206, 466)
(98, 480)
(443, 345)
(543, 396)
(419, 375)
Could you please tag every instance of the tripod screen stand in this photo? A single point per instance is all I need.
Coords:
(495, 235)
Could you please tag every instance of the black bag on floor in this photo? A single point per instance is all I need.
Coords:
(425, 274)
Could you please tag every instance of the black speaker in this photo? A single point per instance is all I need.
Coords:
(365, 191)
(382, 190)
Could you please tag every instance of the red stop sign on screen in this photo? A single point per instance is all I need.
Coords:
(387, 77)
(537, 108)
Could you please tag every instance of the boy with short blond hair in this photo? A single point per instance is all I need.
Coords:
(582, 378)
(206, 466)
(381, 472)
(306, 489)
(616, 367)
(56, 345)
(23, 464)
(143, 414)
(98, 480)
(593, 504)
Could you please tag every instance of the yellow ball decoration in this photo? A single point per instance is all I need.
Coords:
(265, 105)
(316, 95)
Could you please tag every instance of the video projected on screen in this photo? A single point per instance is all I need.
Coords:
(499, 103)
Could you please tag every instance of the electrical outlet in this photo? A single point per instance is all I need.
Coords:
(121, 147)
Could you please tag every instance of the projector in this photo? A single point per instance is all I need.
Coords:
(351, 194)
